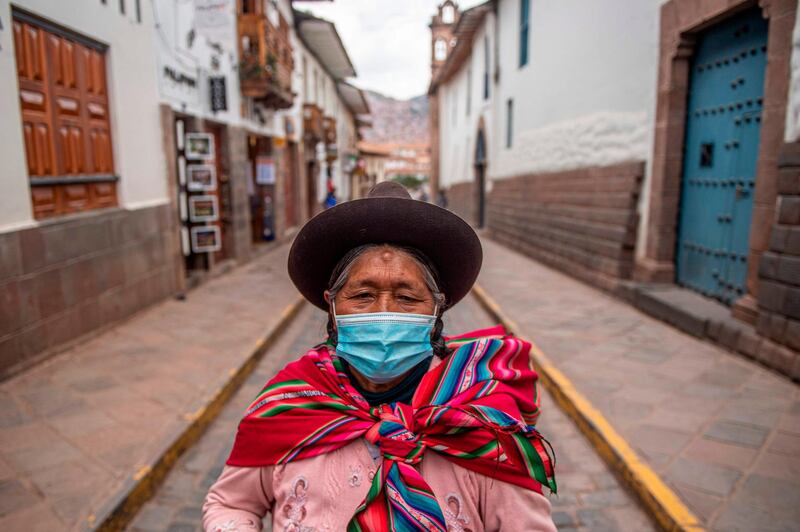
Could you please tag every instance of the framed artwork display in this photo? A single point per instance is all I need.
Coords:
(203, 208)
(201, 177)
(206, 239)
(199, 146)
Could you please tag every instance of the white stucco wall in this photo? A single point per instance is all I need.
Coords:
(793, 107)
(133, 103)
(458, 129)
(214, 52)
(587, 94)
(585, 98)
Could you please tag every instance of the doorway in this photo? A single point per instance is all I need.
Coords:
(723, 125)
(480, 178)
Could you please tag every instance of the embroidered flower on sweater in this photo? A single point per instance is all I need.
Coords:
(232, 525)
(295, 508)
(456, 522)
(356, 476)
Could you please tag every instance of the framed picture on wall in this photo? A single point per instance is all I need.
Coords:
(199, 146)
(205, 239)
(203, 209)
(265, 171)
(201, 177)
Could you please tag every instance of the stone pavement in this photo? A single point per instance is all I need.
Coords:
(722, 431)
(589, 496)
(76, 429)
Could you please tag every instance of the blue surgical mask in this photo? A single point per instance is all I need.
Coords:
(384, 345)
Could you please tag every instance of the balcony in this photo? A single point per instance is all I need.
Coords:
(312, 123)
(329, 135)
(265, 71)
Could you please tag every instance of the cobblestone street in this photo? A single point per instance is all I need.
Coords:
(721, 430)
(589, 498)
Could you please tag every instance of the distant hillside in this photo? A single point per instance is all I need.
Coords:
(403, 121)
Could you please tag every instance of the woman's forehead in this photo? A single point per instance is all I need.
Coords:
(386, 263)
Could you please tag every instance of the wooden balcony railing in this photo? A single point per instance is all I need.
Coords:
(312, 122)
(329, 135)
(265, 71)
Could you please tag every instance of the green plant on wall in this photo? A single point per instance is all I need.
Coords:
(409, 181)
(250, 68)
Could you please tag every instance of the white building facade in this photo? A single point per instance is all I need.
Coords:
(86, 234)
(629, 140)
(146, 143)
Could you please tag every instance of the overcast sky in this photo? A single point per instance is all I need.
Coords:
(388, 40)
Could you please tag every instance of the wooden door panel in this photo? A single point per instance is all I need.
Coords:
(33, 51)
(65, 119)
(44, 201)
(75, 197)
(19, 47)
(38, 148)
(103, 194)
(101, 150)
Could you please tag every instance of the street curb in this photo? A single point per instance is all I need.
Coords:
(660, 501)
(117, 513)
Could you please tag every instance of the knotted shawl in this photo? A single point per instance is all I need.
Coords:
(477, 409)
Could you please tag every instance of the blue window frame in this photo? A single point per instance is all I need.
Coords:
(509, 122)
(524, 15)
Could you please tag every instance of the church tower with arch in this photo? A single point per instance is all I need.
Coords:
(442, 25)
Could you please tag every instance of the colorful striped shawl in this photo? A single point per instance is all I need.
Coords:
(477, 408)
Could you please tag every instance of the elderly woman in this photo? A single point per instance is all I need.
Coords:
(388, 425)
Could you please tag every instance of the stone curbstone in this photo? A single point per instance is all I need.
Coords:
(120, 510)
(660, 501)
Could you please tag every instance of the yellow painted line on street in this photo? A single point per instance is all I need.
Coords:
(663, 504)
(148, 478)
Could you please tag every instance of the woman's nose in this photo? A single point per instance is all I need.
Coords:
(386, 303)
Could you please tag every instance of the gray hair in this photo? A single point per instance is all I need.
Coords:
(341, 273)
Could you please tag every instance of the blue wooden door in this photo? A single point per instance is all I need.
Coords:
(720, 153)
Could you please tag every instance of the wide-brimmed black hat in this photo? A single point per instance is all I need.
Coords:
(388, 215)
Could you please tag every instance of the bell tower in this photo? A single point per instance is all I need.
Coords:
(442, 25)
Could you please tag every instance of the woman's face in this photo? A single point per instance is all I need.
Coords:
(384, 280)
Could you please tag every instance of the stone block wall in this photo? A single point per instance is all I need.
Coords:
(240, 238)
(581, 221)
(462, 199)
(779, 270)
(68, 277)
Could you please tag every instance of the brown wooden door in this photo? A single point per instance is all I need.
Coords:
(65, 123)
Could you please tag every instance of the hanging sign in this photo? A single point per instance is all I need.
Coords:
(212, 16)
(265, 171)
(219, 94)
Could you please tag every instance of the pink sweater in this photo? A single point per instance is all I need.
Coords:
(322, 493)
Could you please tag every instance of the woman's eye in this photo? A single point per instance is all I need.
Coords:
(363, 295)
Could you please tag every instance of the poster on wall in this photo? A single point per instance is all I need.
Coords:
(201, 177)
(265, 171)
(212, 17)
(203, 209)
(205, 239)
(199, 146)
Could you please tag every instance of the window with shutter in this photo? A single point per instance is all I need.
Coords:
(65, 122)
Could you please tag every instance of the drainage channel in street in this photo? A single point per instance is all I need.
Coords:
(589, 496)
